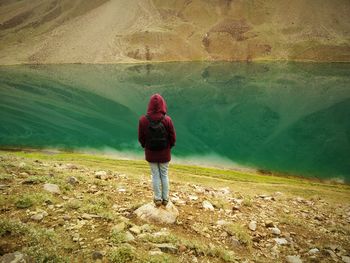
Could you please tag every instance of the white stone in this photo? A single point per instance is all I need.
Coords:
(193, 197)
(345, 259)
(149, 212)
(37, 217)
(207, 205)
(129, 237)
(281, 241)
(52, 188)
(99, 174)
(293, 259)
(252, 225)
(135, 230)
(313, 251)
(275, 231)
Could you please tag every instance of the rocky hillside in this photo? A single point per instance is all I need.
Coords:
(58, 207)
(112, 31)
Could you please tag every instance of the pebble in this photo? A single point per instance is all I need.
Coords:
(37, 217)
(269, 223)
(252, 225)
(119, 227)
(135, 230)
(15, 257)
(281, 241)
(52, 188)
(313, 251)
(276, 231)
(207, 205)
(167, 248)
(129, 237)
(97, 255)
(293, 259)
(72, 180)
(99, 174)
(345, 259)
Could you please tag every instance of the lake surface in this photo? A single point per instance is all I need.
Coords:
(285, 117)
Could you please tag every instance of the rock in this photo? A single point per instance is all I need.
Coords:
(269, 223)
(149, 212)
(37, 217)
(3, 186)
(129, 237)
(236, 208)
(193, 197)
(146, 228)
(182, 248)
(345, 259)
(293, 259)
(76, 237)
(252, 225)
(276, 231)
(207, 205)
(89, 216)
(235, 242)
(281, 241)
(135, 230)
(71, 166)
(100, 174)
(222, 223)
(167, 248)
(22, 164)
(52, 188)
(155, 252)
(16, 257)
(313, 251)
(72, 180)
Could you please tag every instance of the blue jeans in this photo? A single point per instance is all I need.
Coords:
(160, 180)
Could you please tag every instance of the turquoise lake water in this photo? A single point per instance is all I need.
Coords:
(286, 117)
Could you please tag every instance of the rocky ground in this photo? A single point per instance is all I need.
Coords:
(81, 208)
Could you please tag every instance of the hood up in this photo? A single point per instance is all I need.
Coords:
(156, 106)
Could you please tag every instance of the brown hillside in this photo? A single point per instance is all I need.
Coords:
(63, 31)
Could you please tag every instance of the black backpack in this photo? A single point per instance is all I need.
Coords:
(157, 136)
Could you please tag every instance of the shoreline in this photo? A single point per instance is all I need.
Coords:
(145, 62)
(181, 162)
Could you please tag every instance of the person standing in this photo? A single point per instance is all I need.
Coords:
(156, 134)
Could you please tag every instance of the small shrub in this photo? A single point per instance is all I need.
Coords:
(169, 238)
(247, 201)
(123, 254)
(24, 202)
(239, 232)
(118, 237)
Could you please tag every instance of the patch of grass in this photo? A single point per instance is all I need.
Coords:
(6, 177)
(118, 237)
(159, 239)
(201, 249)
(24, 202)
(33, 199)
(240, 232)
(290, 220)
(73, 204)
(247, 201)
(219, 203)
(122, 254)
(160, 259)
(12, 227)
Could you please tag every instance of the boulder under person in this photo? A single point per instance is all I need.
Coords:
(157, 136)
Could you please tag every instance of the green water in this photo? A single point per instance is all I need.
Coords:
(287, 117)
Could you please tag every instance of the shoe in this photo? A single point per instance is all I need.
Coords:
(165, 202)
(158, 203)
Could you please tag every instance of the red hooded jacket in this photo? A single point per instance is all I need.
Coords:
(156, 109)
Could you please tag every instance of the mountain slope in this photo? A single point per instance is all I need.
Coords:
(144, 30)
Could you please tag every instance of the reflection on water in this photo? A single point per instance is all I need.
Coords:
(286, 117)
